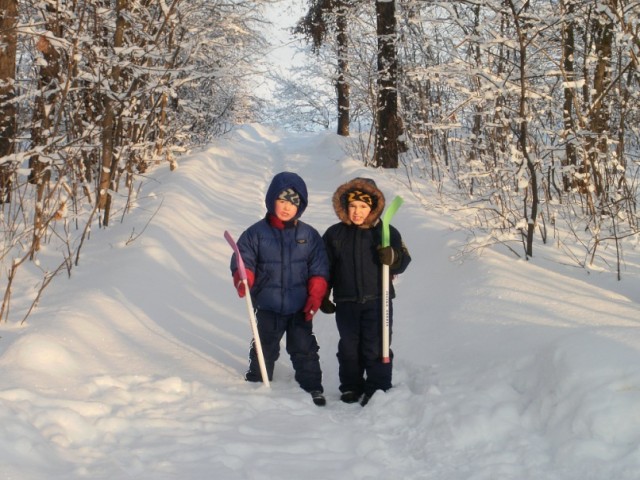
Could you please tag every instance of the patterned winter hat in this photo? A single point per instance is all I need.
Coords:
(359, 196)
(290, 195)
(363, 189)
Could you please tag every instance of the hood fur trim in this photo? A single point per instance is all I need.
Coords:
(367, 185)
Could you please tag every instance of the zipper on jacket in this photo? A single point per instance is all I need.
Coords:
(282, 272)
(358, 267)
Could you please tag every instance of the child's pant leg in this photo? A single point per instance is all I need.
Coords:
(302, 347)
(271, 329)
(378, 373)
(350, 367)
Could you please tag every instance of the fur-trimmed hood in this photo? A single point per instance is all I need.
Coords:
(340, 204)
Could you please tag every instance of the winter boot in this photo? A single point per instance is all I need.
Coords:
(350, 397)
(318, 398)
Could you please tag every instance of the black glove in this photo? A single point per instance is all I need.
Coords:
(327, 306)
(387, 255)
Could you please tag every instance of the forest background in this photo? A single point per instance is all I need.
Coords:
(524, 114)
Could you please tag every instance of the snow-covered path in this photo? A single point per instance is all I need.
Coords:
(505, 370)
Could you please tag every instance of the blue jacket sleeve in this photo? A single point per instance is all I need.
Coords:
(248, 247)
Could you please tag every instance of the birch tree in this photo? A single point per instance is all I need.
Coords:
(332, 16)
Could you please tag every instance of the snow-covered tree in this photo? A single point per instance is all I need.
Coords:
(103, 90)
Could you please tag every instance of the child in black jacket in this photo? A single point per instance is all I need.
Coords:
(355, 260)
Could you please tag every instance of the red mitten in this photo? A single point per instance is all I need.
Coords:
(316, 288)
(239, 284)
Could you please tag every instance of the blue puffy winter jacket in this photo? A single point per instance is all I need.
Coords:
(282, 259)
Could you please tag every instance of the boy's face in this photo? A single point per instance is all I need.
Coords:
(285, 210)
(358, 212)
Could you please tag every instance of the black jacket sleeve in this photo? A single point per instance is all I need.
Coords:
(401, 250)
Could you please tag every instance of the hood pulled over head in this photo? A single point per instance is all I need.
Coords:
(362, 189)
(285, 182)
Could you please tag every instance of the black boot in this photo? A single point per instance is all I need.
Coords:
(350, 397)
(318, 398)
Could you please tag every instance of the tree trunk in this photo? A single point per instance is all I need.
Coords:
(477, 124)
(109, 160)
(8, 38)
(389, 125)
(568, 52)
(599, 113)
(523, 132)
(342, 85)
(48, 83)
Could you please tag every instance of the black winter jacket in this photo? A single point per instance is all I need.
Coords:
(355, 270)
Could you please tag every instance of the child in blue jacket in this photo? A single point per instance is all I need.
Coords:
(287, 273)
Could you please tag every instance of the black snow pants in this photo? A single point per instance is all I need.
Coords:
(301, 345)
(360, 347)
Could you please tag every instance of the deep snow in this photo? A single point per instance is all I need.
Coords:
(132, 368)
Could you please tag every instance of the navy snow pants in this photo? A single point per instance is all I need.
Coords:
(301, 345)
(360, 347)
